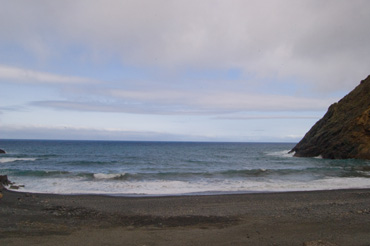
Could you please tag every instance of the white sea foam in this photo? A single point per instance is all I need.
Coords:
(172, 187)
(282, 153)
(13, 159)
(108, 176)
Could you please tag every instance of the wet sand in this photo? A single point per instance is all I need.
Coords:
(340, 217)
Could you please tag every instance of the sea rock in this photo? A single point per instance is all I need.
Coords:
(4, 180)
(2, 151)
(344, 131)
(14, 187)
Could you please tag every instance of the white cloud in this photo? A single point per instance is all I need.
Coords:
(192, 103)
(325, 43)
(74, 133)
(213, 100)
(31, 76)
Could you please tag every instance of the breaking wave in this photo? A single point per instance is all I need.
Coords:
(108, 176)
(15, 159)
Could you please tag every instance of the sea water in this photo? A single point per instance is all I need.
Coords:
(171, 168)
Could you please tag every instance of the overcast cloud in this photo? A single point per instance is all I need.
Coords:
(194, 60)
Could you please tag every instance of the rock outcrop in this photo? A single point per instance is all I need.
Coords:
(4, 180)
(344, 131)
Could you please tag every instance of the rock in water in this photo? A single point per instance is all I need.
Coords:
(344, 131)
(2, 151)
(4, 180)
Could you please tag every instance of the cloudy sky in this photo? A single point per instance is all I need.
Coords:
(179, 70)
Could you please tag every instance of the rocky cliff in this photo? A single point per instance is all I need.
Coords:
(344, 131)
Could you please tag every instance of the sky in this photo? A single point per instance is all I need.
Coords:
(177, 70)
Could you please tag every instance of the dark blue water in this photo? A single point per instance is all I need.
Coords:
(171, 168)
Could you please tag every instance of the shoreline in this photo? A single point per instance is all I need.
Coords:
(194, 194)
(337, 217)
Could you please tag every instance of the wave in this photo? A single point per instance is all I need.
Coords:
(62, 174)
(281, 153)
(142, 176)
(35, 173)
(248, 172)
(260, 174)
(89, 163)
(191, 176)
(357, 171)
(15, 159)
(108, 176)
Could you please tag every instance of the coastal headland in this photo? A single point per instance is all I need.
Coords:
(344, 131)
(336, 217)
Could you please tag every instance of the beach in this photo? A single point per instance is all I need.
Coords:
(331, 217)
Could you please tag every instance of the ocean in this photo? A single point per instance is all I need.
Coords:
(171, 168)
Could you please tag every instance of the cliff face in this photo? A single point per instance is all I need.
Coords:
(344, 131)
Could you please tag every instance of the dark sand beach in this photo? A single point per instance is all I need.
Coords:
(340, 217)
